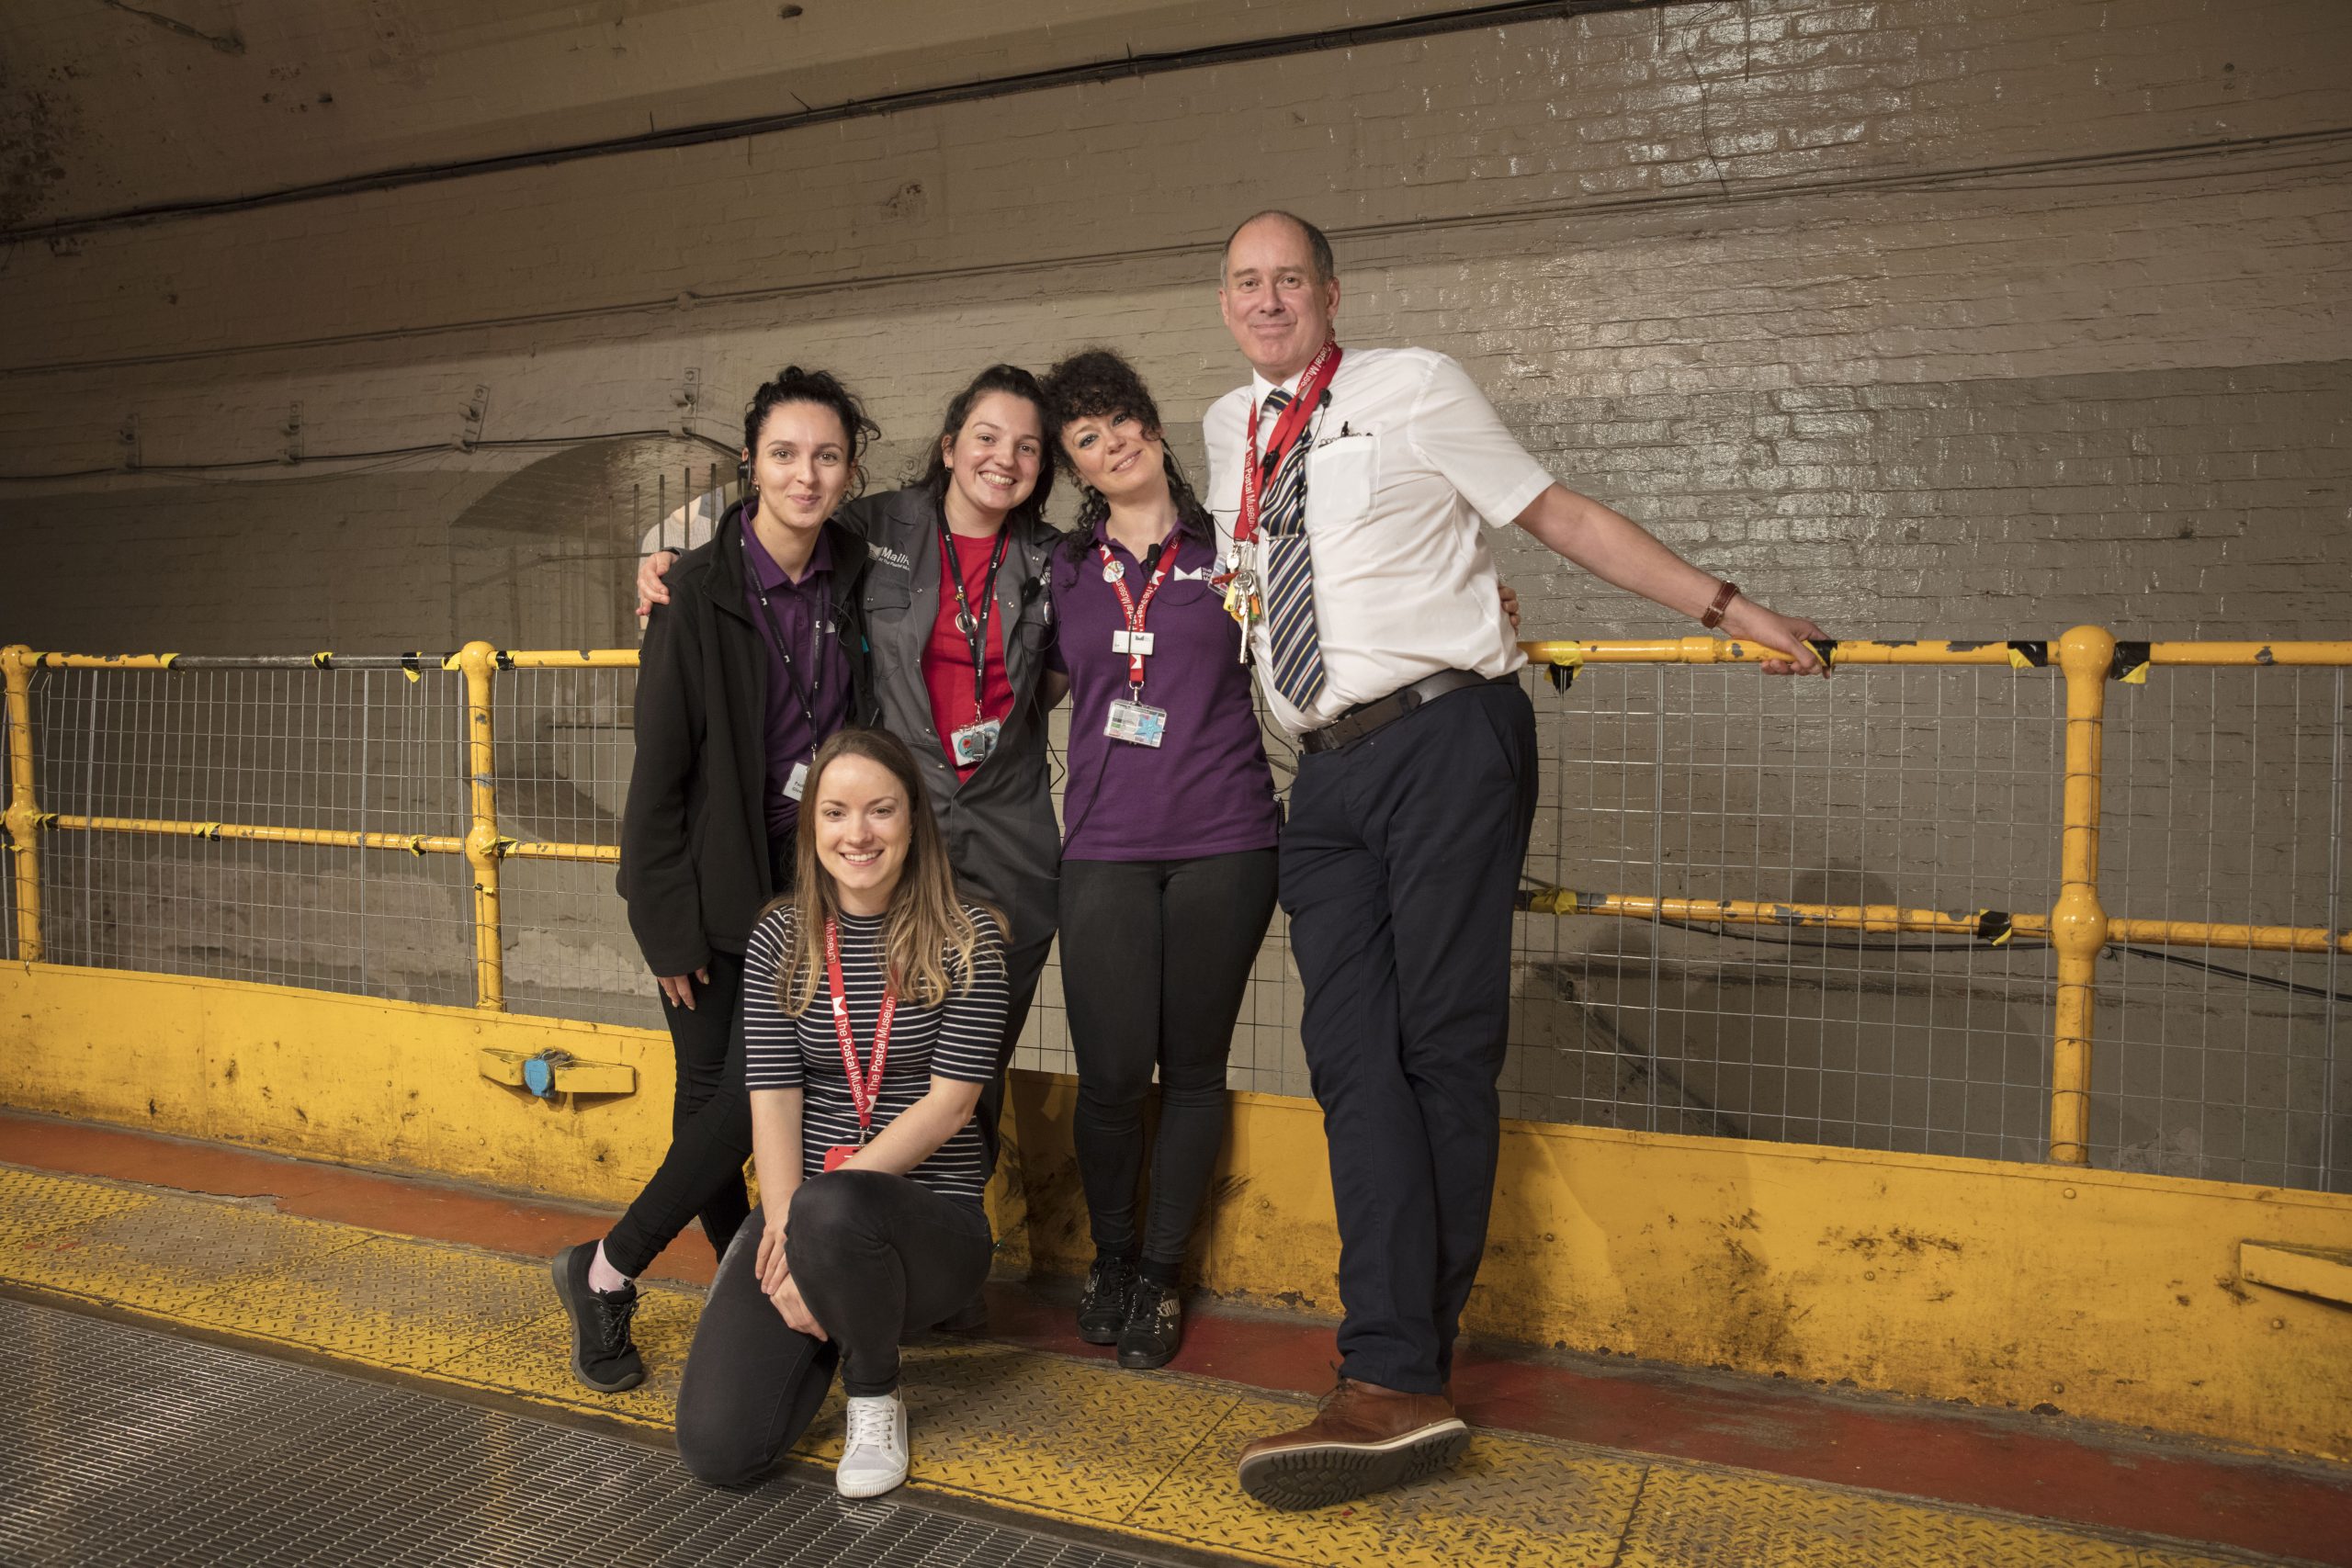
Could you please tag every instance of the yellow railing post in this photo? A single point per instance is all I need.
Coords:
(16, 664)
(478, 659)
(2077, 923)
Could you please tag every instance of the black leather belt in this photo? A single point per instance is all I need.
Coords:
(1365, 718)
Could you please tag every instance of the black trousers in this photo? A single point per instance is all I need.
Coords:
(880, 1258)
(1399, 866)
(1156, 958)
(1024, 964)
(701, 1174)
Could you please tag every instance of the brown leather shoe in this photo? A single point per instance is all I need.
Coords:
(1363, 1438)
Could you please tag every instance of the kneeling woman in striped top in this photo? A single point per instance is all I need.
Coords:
(873, 997)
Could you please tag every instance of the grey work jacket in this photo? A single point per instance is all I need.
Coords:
(1002, 836)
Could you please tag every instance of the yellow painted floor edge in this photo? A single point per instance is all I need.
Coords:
(247, 1273)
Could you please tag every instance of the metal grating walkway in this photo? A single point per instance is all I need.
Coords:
(128, 1446)
(1079, 1444)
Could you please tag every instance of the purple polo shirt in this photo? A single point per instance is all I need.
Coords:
(802, 615)
(1207, 789)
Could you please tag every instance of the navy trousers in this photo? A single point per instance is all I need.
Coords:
(1400, 869)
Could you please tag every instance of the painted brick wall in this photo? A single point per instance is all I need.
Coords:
(1924, 317)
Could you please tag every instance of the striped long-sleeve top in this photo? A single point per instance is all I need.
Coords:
(957, 1039)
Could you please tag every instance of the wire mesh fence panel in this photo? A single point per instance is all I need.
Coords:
(330, 751)
(2225, 802)
(1890, 789)
(1915, 788)
(565, 744)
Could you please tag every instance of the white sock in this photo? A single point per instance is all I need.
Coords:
(602, 1278)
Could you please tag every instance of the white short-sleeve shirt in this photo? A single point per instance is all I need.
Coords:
(1409, 456)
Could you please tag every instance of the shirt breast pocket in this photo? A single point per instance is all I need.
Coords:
(1341, 476)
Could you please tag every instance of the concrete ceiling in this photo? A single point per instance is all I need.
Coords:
(107, 105)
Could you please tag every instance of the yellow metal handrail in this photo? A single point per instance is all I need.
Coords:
(2077, 928)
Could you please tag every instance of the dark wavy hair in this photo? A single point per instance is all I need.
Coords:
(1099, 383)
(794, 385)
(995, 378)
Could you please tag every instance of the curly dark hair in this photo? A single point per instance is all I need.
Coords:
(1020, 384)
(1099, 383)
(794, 385)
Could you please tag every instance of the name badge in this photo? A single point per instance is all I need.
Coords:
(972, 744)
(1132, 642)
(837, 1156)
(797, 782)
(1138, 724)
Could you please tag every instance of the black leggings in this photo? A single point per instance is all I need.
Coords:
(1156, 958)
(701, 1173)
(880, 1258)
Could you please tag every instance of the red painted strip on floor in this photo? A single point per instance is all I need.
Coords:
(2044, 1469)
(405, 1205)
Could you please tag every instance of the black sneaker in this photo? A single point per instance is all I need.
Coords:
(1155, 1325)
(1103, 1306)
(603, 1356)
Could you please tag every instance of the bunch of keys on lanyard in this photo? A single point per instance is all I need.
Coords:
(1241, 600)
(973, 742)
(864, 1088)
(1132, 719)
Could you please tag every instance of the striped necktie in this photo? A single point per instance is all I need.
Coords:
(1290, 572)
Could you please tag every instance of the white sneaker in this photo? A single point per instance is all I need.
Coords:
(874, 1459)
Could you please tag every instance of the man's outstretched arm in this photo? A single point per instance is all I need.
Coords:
(1623, 553)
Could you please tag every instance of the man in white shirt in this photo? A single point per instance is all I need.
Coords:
(1348, 486)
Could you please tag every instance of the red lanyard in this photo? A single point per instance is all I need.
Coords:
(1136, 609)
(865, 1088)
(1259, 470)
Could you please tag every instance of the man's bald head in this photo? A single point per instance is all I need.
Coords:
(1278, 292)
(1318, 245)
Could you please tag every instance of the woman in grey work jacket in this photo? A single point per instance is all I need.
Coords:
(978, 732)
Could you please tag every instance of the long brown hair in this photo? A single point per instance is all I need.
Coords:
(927, 930)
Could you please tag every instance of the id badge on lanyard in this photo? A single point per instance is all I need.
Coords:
(799, 782)
(1131, 719)
(970, 744)
(973, 743)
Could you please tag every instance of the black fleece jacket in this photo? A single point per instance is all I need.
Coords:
(693, 834)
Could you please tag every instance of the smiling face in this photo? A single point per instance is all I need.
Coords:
(993, 461)
(801, 465)
(1118, 456)
(1275, 306)
(862, 831)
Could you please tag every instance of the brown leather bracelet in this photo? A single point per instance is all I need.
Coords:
(1725, 595)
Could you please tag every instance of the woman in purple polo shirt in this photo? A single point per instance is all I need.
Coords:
(1167, 843)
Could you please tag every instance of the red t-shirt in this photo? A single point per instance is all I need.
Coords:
(947, 656)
